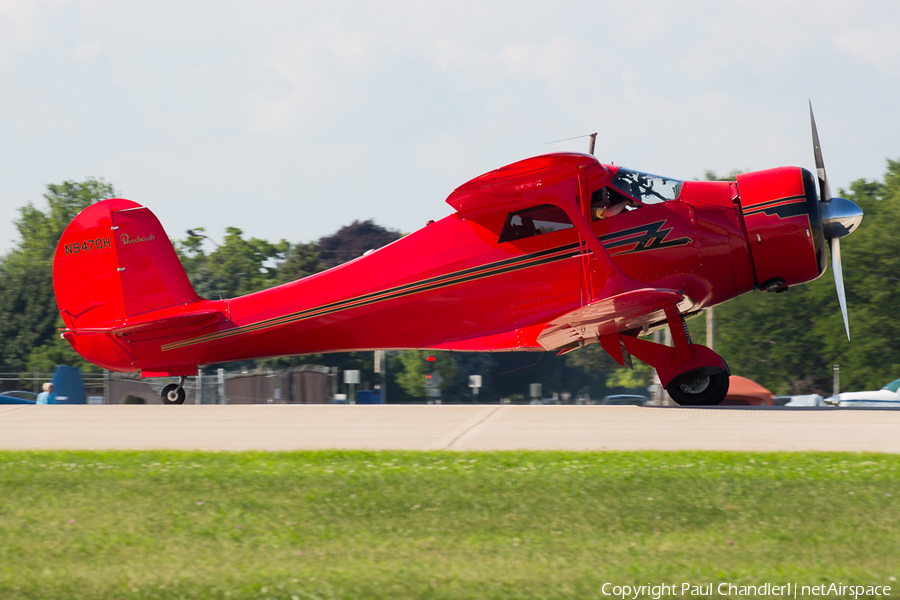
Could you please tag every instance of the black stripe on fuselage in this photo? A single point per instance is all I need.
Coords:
(644, 236)
(466, 275)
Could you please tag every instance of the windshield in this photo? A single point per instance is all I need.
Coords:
(892, 386)
(20, 395)
(647, 188)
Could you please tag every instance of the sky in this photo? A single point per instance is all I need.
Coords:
(292, 119)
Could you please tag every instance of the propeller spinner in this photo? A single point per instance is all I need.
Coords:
(840, 217)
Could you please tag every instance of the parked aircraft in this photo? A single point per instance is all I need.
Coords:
(886, 397)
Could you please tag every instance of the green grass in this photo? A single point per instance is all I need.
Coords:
(438, 525)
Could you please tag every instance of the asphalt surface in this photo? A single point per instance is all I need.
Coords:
(445, 427)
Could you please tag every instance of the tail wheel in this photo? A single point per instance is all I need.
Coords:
(173, 394)
(699, 388)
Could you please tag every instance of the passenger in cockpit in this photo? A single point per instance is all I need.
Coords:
(603, 207)
(527, 228)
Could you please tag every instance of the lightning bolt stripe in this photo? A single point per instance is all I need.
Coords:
(776, 206)
(645, 237)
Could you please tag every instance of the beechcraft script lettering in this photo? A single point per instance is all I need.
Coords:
(126, 240)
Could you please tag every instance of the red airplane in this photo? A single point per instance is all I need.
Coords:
(546, 254)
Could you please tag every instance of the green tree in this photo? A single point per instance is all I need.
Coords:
(301, 260)
(471, 363)
(45, 358)
(416, 366)
(616, 378)
(354, 240)
(236, 267)
(29, 316)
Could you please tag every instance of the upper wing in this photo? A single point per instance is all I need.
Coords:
(621, 312)
(520, 182)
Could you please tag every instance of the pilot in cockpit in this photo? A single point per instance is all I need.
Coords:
(605, 205)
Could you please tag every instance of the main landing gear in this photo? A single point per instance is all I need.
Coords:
(692, 374)
(703, 387)
(174, 392)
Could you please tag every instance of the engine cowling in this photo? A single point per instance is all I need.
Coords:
(784, 226)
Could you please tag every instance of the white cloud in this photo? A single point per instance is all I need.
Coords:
(548, 61)
(22, 20)
(306, 61)
(86, 51)
(451, 54)
(189, 107)
(877, 45)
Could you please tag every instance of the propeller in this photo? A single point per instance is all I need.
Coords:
(840, 217)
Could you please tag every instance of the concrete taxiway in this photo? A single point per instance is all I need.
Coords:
(479, 427)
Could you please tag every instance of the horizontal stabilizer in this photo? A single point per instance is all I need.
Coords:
(186, 323)
(203, 318)
(622, 312)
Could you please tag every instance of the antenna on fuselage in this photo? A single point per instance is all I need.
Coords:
(593, 137)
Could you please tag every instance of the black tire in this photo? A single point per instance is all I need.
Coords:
(699, 388)
(172, 394)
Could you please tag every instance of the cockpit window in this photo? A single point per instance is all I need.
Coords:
(529, 222)
(892, 386)
(647, 188)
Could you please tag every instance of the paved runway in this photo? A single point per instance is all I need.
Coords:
(483, 427)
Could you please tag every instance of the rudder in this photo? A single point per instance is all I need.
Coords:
(115, 261)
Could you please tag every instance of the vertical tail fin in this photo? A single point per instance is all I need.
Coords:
(114, 261)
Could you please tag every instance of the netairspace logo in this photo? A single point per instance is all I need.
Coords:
(787, 590)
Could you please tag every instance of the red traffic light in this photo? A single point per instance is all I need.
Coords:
(430, 359)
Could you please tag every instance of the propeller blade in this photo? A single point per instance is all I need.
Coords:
(839, 218)
(839, 281)
(824, 190)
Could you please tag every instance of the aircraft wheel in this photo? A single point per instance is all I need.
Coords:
(699, 388)
(172, 394)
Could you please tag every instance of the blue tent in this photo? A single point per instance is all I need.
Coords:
(68, 388)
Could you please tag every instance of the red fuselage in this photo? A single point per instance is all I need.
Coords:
(463, 282)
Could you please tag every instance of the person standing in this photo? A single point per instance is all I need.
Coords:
(44, 397)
